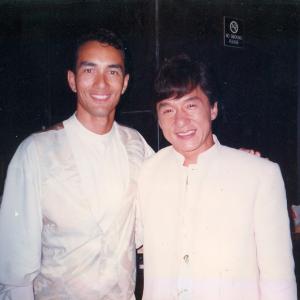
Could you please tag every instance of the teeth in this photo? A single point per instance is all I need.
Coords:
(100, 97)
(186, 133)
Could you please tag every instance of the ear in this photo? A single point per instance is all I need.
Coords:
(157, 116)
(125, 83)
(214, 111)
(159, 123)
(72, 81)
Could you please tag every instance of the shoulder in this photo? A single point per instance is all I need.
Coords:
(162, 157)
(133, 140)
(37, 142)
(239, 160)
(163, 154)
(48, 136)
(128, 132)
(56, 127)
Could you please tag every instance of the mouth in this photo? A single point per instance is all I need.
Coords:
(100, 97)
(186, 134)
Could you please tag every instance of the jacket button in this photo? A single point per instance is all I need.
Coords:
(186, 258)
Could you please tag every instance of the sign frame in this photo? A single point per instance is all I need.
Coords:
(233, 32)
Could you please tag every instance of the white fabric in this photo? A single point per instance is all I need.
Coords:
(67, 218)
(216, 230)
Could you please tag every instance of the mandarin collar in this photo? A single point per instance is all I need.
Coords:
(90, 136)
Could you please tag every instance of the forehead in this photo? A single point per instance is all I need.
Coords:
(95, 51)
(196, 94)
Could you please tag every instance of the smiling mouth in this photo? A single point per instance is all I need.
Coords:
(98, 97)
(187, 133)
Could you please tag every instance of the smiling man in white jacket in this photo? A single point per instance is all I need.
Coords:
(214, 218)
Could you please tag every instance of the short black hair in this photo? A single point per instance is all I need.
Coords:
(103, 36)
(180, 75)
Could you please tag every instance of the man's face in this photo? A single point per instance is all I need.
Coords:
(99, 80)
(186, 123)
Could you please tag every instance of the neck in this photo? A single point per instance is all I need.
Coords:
(191, 157)
(98, 125)
(189, 161)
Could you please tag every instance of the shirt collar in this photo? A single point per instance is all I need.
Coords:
(91, 136)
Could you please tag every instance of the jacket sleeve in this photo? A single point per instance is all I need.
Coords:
(273, 240)
(20, 225)
(148, 152)
(139, 236)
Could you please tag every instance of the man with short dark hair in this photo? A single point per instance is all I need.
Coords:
(214, 218)
(67, 217)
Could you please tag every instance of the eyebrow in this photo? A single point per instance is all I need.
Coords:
(86, 64)
(165, 103)
(91, 64)
(117, 66)
(191, 98)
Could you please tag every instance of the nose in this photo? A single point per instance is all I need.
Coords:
(181, 119)
(100, 81)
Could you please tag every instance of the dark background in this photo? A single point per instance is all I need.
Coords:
(259, 82)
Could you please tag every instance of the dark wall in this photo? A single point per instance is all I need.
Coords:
(258, 82)
(35, 47)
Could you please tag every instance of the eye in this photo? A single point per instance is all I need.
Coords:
(114, 72)
(88, 70)
(191, 105)
(167, 111)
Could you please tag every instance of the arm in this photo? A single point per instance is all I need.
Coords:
(273, 241)
(138, 227)
(20, 226)
(148, 152)
(13, 293)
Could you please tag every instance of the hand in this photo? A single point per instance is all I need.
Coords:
(251, 151)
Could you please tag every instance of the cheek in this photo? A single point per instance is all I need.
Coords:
(114, 79)
(161, 122)
(85, 82)
(118, 85)
(166, 126)
(201, 119)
